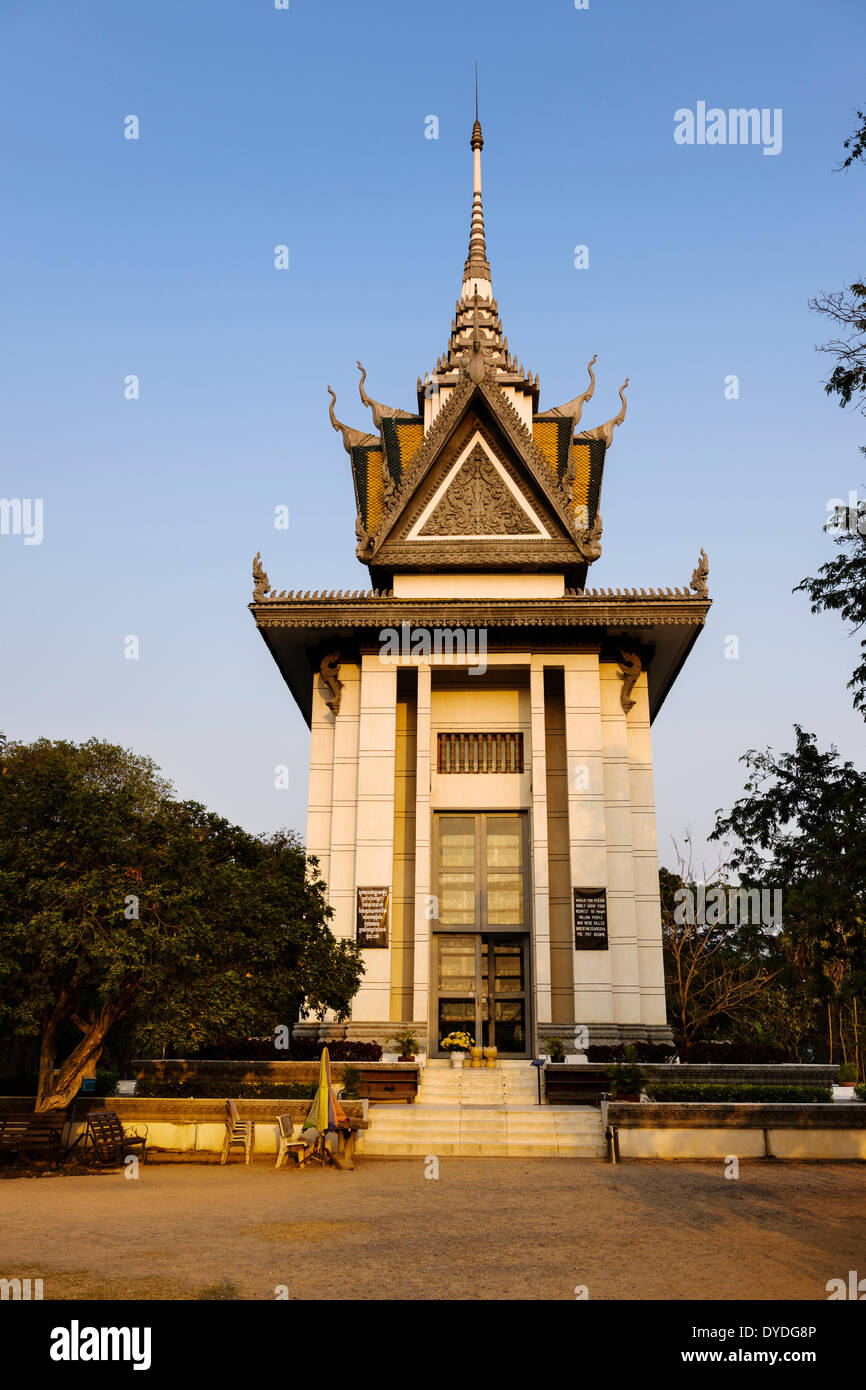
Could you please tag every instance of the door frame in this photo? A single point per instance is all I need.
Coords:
(481, 929)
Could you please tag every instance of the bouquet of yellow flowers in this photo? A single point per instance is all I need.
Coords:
(458, 1042)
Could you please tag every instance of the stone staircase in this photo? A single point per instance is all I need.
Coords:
(482, 1112)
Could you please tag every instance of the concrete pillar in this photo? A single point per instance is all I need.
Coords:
(538, 868)
(420, 1013)
(374, 829)
(622, 926)
(593, 996)
(319, 808)
(344, 808)
(645, 860)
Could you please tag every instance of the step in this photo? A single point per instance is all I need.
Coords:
(481, 1131)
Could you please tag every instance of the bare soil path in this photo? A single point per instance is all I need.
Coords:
(485, 1229)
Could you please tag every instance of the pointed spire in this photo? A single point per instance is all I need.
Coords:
(477, 266)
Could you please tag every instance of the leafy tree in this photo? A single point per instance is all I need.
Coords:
(118, 902)
(855, 144)
(713, 977)
(803, 824)
(840, 587)
(840, 584)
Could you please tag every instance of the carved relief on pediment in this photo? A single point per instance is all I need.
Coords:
(478, 502)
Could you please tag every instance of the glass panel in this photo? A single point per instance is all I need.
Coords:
(456, 964)
(507, 967)
(457, 1016)
(505, 842)
(457, 842)
(456, 900)
(508, 1016)
(505, 900)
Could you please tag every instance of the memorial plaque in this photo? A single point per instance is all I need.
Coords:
(590, 919)
(372, 917)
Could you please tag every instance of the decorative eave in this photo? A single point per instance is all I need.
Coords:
(377, 609)
(662, 624)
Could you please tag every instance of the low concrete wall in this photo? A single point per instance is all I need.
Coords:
(219, 1072)
(189, 1126)
(712, 1130)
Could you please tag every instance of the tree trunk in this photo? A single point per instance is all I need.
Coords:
(48, 1050)
(56, 1093)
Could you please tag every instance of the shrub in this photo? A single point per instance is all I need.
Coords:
(351, 1082)
(860, 1090)
(735, 1052)
(736, 1091)
(645, 1052)
(847, 1072)
(555, 1049)
(26, 1085)
(221, 1090)
(626, 1078)
(300, 1050)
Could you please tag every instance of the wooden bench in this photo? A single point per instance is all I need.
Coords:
(32, 1133)
(110, 1142)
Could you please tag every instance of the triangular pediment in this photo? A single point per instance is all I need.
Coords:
(477, 498)
(478, 493)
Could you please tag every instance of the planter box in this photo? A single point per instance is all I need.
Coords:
(574, 1085)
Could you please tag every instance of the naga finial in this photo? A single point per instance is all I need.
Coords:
(700, 573)
(351, 437)
(574, 407)
(380, 412)
(261, 583)
(606, 430)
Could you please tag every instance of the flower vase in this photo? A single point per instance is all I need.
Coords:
(457, 1059)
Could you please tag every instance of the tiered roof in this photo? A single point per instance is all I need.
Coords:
(571, 459)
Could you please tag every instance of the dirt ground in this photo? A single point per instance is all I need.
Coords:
(485, 1229)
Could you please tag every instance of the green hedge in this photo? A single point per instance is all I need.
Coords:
(216, 1090)
(26, 1085)
(860, 1090)
(737, 1091)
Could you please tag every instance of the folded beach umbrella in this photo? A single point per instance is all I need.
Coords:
(326, 1112)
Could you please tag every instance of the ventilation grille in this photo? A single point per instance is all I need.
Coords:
(480, 753)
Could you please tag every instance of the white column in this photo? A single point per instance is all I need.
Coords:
(646, 862)
(593, 998)
(420, 1012)
(319, 809)
(344, 793)
(622, 927)
(539, 863)
(374, 830)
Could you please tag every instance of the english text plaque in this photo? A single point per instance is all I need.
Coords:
(590, 919)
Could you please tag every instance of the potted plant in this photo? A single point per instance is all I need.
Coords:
(457, 1044)
(626, 1078)
(554, 1048)
(407, 1043)
(848, 1074)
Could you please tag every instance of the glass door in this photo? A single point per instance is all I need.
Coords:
(481, 936)
(503, 993)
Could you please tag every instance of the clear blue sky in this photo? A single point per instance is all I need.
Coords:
(306, 127)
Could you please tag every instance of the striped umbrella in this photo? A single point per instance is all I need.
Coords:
(326, 1112)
